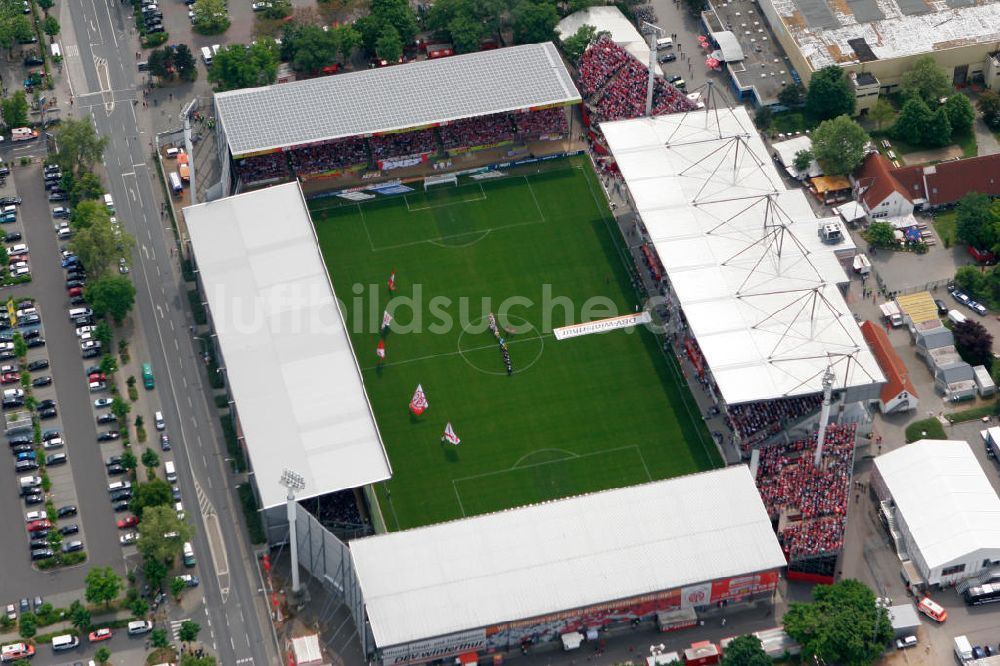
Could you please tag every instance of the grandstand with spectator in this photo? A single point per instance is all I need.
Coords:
(380, 122)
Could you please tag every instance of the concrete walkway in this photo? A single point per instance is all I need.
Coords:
(986, 141)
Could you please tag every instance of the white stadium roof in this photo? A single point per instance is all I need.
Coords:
(288, 361)
(949, 505)
(394, 98)
(611, 20)
(563, 555)
(757, 285)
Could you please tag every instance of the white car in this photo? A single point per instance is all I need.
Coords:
(34, 515)
(90, 344)
(50, 444)
(85, 329)
(260, 6)
(86, 336)
(128, 538)
(20, 270)
(103, 402)
(6, 346)
(20, 248)
(179, 507)
(25, 312)
(123, 266)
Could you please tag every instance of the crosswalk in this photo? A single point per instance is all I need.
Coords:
(245, 660)
(175, 628)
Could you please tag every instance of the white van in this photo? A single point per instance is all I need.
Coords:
(168, 467)
(206, 55)
(80, 312)
(56, 51)
(158, 420)
(956, 317)
(175, 182)
(118, 485)
(139, 627)
(189, 560)
(665, 43)
(172, 153)
(13, 393)
(109, 203)
(65, 642)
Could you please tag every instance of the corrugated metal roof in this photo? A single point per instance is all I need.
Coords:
(945, 498)
(564, 555)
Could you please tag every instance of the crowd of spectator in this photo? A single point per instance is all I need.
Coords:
(328, 156)
(599, 63)
(809, 502)
(479, 131)
(547, 122)
(260, 168)
(756, 421)
(339, 509)
(404, 144)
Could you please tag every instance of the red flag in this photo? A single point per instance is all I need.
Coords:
(392, 281)
(386, 319)
(418, 403)
(380, 350)
(450, 436)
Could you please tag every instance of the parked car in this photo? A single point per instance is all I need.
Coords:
(108, 436)
(127, 522)
(66, 511)
(98, 635)
(41, 381)
(40, 364)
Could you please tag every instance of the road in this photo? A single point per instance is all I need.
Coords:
(101, 64)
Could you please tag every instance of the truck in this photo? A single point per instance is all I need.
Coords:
(963, 649)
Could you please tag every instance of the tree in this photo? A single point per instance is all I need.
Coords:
(15, 110)
(843, 624)
(79, 146)
(20, 346)
(195, 660)
(129, 460)
(961, 114)
(399, 14)
(87, 187)
(694, 7)
(974, 222)
(158, 638)
(150, 460)
(99, 247)
(839, 145)
(974, 343)
(185, 63)
(574, 45)
(108, 365)
(802, 160)
(155, 572)
(926, 81)
(881, 234)
(139, 607)
(881, 113)
(46, 5)
(120, 409)
(189, 631)
(313, 49)
(989, 106)
(911, 125)
(970, 279)
(389, 46)
(102, 333)
(79, 616)
(792, 95)
(87, 213)
(161, 63)
(238, 66)
(156, 522)
(763, 118)
(155, 492)
(466, 33)
(112, 294)
(745, 651)
(177, 587)
(938, 130)
(347, 40)
(103, 585)
(830, 94)
(535, 21)
(28, 625)
(102, 655)
(50, 26)
(210, 17)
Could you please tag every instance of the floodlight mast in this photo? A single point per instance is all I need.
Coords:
(293, 481)
(824, 415)
(654, 30)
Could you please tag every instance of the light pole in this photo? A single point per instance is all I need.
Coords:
(654, 30)
(293, 481)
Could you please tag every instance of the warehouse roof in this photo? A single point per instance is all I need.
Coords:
(563, 555)
(288, 361)
(394, 98)
(962, 513)
(758, 287)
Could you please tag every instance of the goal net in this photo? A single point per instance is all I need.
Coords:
(431, 181)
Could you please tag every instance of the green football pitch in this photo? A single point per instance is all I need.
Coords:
(578, 415)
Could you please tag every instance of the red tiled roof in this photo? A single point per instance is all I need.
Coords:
(953, 180)
(896, 374)
(875, 178)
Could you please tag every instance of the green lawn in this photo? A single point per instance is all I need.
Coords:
(944, 224)
(578, 415)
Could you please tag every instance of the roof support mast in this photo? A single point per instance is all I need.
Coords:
(824, 415)
(653, 30)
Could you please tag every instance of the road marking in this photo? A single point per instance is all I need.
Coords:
(232, 642)
(177, 346)
(185, 381)
(175, 628)
(158, 275)
(145, 251)
(160, 310)
(171, 324)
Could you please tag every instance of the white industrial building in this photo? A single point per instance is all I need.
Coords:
(941, 510)
(566, 568)
(298, 398)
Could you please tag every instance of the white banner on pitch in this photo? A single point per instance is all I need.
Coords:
(602, 325)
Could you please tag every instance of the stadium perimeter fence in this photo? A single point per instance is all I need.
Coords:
(328, 559)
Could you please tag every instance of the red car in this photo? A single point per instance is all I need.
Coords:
(97, 377)
(126, 523)
(43, 524)
(98, 635)
(75, 291)
(10, 378)
(17, 257)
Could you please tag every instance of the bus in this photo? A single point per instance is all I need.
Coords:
(147, 376)
(977, 595)
(932, 609)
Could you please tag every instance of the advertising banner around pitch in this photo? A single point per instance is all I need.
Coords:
(602, 325)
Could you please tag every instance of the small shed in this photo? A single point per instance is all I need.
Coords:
(306, 650)
(984, 381)
(905, 620)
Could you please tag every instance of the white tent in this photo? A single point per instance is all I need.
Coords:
(729, 46)
(611, 20)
